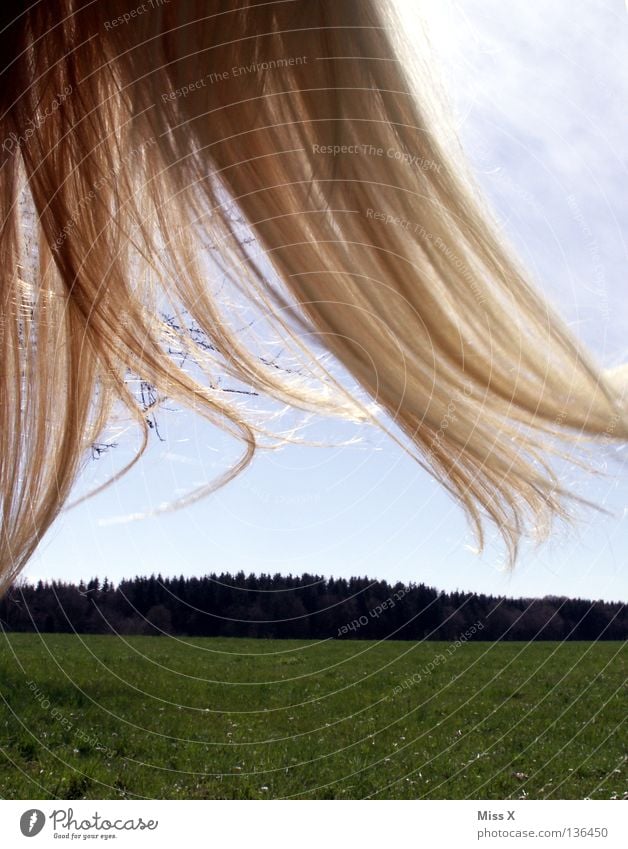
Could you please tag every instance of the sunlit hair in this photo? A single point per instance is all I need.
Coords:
(291, 150)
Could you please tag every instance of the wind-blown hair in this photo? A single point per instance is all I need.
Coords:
(295, 145)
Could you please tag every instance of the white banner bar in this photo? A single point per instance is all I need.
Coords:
(314, 824)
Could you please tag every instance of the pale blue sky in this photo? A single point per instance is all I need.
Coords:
(541, 92)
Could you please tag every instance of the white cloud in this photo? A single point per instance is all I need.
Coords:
(541, 93)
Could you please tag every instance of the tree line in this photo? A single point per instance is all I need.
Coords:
(305, 606)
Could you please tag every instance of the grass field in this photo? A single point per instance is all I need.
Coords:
(85, 717)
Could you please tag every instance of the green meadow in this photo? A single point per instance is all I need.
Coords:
(104, 717)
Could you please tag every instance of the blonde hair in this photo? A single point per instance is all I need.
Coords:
(294, 143)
